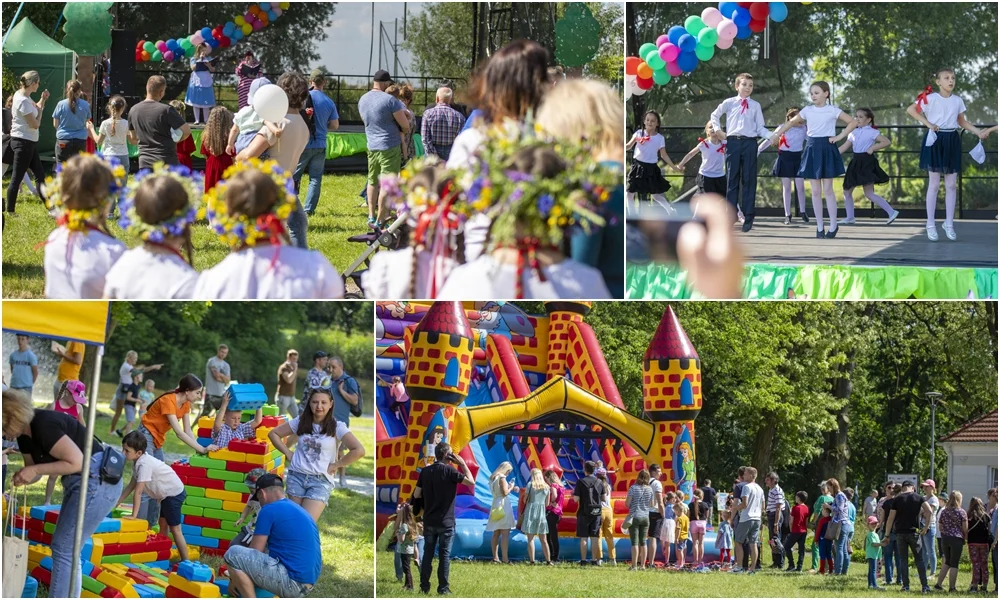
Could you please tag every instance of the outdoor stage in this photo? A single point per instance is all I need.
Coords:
(865, 261)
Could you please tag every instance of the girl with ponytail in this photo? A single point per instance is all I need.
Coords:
(71, 118)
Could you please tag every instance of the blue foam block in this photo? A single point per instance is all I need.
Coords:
(30, 589)
(279, 460)
(197, 540)
(88, 547)
(159, 564)
(148, 591)
(109, 526)
(38, 512)
(194, 571)
(205, 441)
(223, 586)
(189, 530)
(247, 396)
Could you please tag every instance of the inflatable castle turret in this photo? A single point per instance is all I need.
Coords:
(671, 398)
(439, 354)
(561, 314)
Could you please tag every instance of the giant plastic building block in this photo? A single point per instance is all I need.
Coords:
(247, 396)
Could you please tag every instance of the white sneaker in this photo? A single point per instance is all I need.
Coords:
(949, 232)
(850, 221)
(741, 218)
(932, 233)
(892, 217)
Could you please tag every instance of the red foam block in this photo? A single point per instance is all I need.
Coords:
(212, 484)
(42, 575)
(203, 521)
(248, 447)
(173, 592)
(239, 467)
(189, 471)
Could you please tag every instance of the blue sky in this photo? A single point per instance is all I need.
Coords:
(346, 48)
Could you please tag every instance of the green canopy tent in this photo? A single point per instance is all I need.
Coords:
(28, 49)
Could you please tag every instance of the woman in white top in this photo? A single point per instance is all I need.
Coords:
(248, 211)
(112, 135)
(80, 252)
(942, 113)
(26, 118)
(821, 161)
(864, 169)
(309, 479)
(786, 166)
(160, 210)
(501, 519)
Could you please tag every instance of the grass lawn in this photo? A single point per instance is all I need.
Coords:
(481, 579)
(337, 218)
(346, 528)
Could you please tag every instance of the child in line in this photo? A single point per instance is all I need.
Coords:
(683, 529)
(227, 426)
(825, 545)
(724, 539)
(864, 169)
(247, 123)
(797, 531)
(821, 161)
(786, 166)
(157, 480)
(873, 552)
(146, 395)
(942, 113)
(185, 147)
(406, 537)
(72, 396)
(248, 211)
(160, 208)
(250, 511)
(214, 143)
(80, 251)
(668, 530)
(645, 176)
(744, 124)
(112, 135)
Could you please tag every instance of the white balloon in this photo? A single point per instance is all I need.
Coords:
(638, 91)
(271, 103)
(711, 16)
(628, 92)
(724, 43)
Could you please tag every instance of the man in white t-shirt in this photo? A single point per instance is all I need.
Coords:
(748, 530)
(124, 381)
(216, 380)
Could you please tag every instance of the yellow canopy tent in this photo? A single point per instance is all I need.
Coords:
(82, 321)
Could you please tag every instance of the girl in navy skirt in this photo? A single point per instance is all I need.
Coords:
(864, 169)
(786, 166)
(712, 172)
(942, 113)
(821, 161)
(645, 176)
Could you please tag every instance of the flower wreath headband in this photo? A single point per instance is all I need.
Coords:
(79, 219)
(176, 224)
(242, 230)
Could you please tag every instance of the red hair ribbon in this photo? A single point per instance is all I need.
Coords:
(745, 105)
(275, 229)
(783, 141)
(922, 97)
(527, 252)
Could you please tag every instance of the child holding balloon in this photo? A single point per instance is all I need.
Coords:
(942, 113)
(821, 161)
(200, 91)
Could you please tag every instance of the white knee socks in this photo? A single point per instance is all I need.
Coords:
(879, 201)
(831, 203)
(786, 195)
(800, 188)
(817, 197)
(849, 203)
(933, 183)
(950, 198)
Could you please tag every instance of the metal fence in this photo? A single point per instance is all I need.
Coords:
(977, 184)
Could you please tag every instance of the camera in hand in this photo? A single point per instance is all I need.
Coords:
(653, 230)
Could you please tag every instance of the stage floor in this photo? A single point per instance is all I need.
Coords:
(871, 243)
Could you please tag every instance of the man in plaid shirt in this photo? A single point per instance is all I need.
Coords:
(227, 425)
(775, 508)
(441, 125)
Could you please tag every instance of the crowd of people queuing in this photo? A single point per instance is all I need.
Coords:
(799, 533)
(278, 548)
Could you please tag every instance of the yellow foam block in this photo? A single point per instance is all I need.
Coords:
(116, 568)
(31, 566)
(97, 551)
(223, 495)
(132, 537)
(206, 422)
(227, 454)
(143, 557)
(262, 433)
(86, 594)
(129, 524)
(24, 511)
(193, 554)
(110, 537)
(119, 582)
(233, 506)
(37, 553)
(257, 459)
(269, 466)
(198, 589)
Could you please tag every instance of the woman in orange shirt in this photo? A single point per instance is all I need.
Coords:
(168, 412)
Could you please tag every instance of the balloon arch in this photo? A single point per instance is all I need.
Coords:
(682, 47)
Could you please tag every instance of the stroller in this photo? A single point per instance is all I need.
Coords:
(392, 237)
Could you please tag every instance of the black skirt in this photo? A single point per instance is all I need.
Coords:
(944, 155)
(864, 170)
(787, 164)
(711, 185)
(646, 178)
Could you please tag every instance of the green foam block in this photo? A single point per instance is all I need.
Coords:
(237, 486)
(207, 463)
(196, 492)
(219, 534)
(222, 515)
(219, 474)
(230, 526)
(116, 558)
(92, 585)
(203, 502)
(187, 509)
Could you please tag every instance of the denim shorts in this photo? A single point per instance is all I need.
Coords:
(170, 509)
(265, 571)
(311, 487)
(129, 413)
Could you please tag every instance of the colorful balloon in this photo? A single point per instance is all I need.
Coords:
(149, 47)
(643, 83)
(675, 33)
(687, 43)
(711, 16)
(727, 8)
(239, 20)
(743, 32)
(277, 12)
(661, 77)
(693, 24)
(673, 69)
(727, 29)
(156, 56)
(631, 62)
(741, 17)
(646, 49)
(146, 56)
(168, 56)
(724, 43)
(265, 6)
(759, 11)
(655, 62)
(669, 52)
(779, 11)
(707, 37)
(206, 33)
(663, 39)
(687, 61)
(704, 53)
(644, 71)
(284, 5)
(247, 29)
(758, 26)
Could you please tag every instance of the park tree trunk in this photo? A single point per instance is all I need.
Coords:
(632, 49)
(763, 445)
(836, 453)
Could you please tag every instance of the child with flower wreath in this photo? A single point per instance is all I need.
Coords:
(248, 210)
(533, 191)
(160, 207)
(434, 211)
(80, 251)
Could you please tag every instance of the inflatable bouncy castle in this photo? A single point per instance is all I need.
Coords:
(501, 385)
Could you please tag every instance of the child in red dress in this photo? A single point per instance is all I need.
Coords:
(214, 140)
(185, 147)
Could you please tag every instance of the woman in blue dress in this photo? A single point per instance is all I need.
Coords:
(200, 92)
